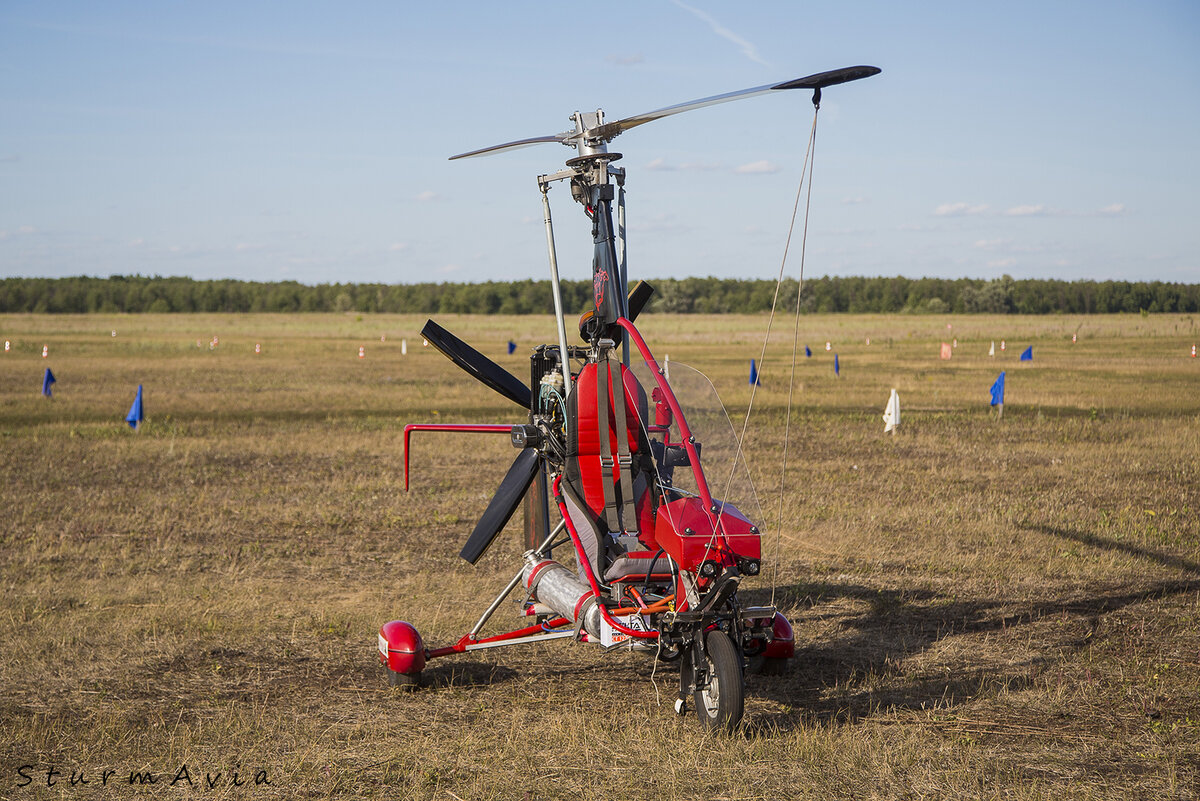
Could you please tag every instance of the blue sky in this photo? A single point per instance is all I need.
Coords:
(309, 141)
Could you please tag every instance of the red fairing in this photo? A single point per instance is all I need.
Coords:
(689, 550)
(782, 644)
(401, 648)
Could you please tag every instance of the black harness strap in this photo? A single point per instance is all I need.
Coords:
(629, 521)
(611, 517)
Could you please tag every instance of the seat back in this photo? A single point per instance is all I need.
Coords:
(584, 470)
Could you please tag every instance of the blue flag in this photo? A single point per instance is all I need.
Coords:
(47, 380)
(998, 391)
(807, 352)
(512, 346)
(136, 414)
(1027, 354)
(753, 373)
(837, 370)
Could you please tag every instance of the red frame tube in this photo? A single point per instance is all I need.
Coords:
(461, 646)
(462, 428)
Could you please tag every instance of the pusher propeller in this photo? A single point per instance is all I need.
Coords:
(475, 363)
(512, 489)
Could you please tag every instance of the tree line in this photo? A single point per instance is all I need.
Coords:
(135, 294)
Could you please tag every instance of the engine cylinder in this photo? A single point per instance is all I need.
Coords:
(559, 588)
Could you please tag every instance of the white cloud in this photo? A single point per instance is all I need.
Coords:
(747, 48)
(855, 201)
(1028, 210)
(959, 209)
(626, 60)
(398, 246)
(428, 195)
(448, 268)
(137, 243)
(1001, 263)
(26, 229)
(1112, 210)
(757, 168)
(991, 244)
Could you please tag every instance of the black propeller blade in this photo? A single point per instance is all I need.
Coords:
(502, 505)
(638, 297)
(478, 365)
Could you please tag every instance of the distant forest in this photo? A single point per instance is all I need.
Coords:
(1005, 295)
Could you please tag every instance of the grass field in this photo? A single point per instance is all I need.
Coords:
(983, 608)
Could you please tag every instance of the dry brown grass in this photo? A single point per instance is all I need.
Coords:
(983, 608)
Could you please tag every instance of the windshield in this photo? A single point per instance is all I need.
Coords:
(723, 467)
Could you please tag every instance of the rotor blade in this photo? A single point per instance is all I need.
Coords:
(536, 140)
(503, 504)
(830, 78)
(610, 130)
(478, 365)
(638, 296)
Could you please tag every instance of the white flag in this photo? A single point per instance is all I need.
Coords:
(891, 415)
(992, 349)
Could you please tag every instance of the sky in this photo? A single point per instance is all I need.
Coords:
(310, 141)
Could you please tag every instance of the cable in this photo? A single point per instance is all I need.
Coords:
(804, 170)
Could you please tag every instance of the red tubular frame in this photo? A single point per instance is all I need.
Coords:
(461, 646)
(462, 428)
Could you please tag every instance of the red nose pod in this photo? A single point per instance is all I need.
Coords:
(401, 648)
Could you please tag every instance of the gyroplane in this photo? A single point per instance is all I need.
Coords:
(617, 462)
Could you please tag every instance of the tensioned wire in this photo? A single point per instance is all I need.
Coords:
(805, 170)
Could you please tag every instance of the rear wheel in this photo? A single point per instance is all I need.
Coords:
(720, 698)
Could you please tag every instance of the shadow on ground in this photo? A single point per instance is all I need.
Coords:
(863, 667)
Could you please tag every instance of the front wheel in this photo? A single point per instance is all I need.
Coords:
(720, 698)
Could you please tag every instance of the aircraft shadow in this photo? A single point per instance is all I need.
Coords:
(861, 671)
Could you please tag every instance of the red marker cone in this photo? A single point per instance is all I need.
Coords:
(1193, 349)
(45, 351)
(362, 352)
(257, 348)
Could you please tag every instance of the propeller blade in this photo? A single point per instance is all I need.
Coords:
(638, 297)
(561, 138)
(478, 365)
(610, 130)
(503, 504)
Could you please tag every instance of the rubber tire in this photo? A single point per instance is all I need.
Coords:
(720, 707)
(404, 681)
